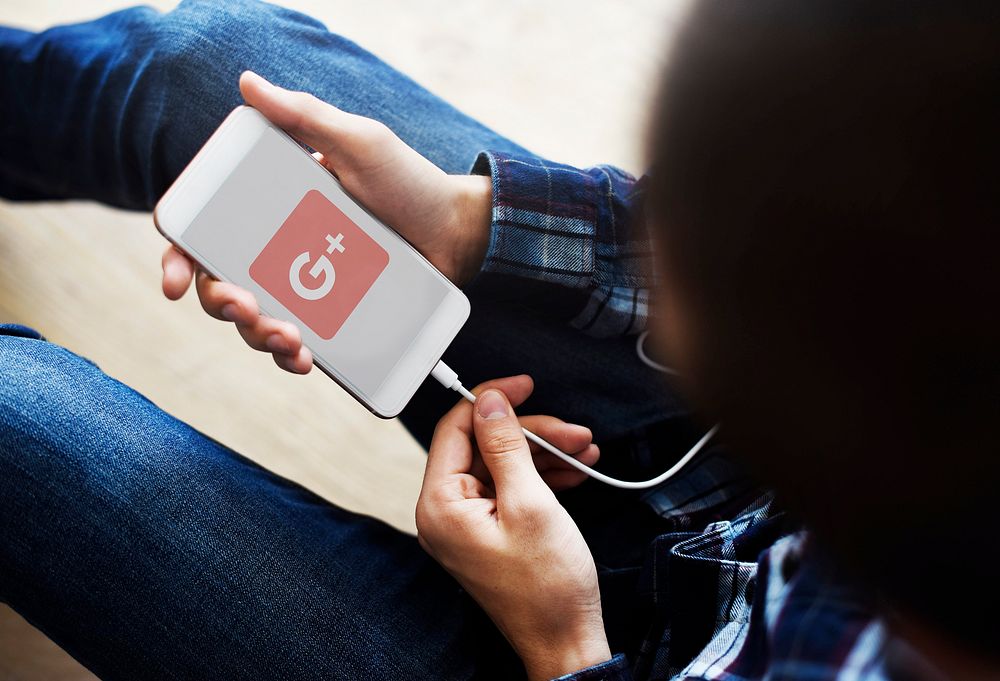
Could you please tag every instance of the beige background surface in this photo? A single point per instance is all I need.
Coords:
(567, 78)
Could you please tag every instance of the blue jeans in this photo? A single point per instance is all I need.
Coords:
(148, 550)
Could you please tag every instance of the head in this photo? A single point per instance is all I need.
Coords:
(826, 199)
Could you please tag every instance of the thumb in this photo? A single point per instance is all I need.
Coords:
(503, 446)
(300, 114)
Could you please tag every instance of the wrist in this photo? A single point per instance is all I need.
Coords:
(472, 217)
(555, 660)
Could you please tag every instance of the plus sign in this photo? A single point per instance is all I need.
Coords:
(335, 244)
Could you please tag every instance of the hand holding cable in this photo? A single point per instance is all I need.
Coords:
(487, 515)
(449, 379)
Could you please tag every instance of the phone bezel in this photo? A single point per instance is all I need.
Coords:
(224, 151)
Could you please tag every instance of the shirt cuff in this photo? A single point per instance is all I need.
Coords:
(544, 218)
(615, 669)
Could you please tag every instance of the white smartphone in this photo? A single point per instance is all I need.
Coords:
(256, 209)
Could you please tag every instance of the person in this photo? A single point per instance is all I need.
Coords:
(149, 551)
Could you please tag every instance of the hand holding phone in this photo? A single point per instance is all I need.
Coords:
(445, 217)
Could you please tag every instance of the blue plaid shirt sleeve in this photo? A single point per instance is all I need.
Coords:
(578, 228)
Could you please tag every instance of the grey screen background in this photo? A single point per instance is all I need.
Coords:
(250, 206)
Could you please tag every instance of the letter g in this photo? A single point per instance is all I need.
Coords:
(321, 266)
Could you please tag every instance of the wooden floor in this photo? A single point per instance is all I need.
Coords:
(567, 78)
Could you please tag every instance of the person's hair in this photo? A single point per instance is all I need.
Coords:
(826, 188)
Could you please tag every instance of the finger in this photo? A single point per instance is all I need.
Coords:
(516, 388)
(322, 126)
(560, 475)
(519, 387)
(459, 419)
(271, 335)
(460, 416)
(570, 438)
(504, 448)
(450, 453)
(178, 270)
(547, 462)
(567, 437)
(300, 363)
(561, 480)
(556, 473)
(226, 301)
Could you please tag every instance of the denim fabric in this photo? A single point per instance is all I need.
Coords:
(112, 110)
(149, 551)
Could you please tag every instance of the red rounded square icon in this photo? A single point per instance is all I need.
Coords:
(319, 264)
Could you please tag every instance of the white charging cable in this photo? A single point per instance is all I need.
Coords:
(449, 379)
(640, 349)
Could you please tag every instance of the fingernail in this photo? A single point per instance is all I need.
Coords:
(491, 405)
(275, 343)
(230, 311)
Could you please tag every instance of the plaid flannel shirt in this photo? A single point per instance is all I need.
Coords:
(574, 228)
(737, 595)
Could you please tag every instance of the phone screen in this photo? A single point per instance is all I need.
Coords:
(282, 229)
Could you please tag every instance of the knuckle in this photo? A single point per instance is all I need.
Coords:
(503, 440)
(292, 333)
(529, 509)
(248, 301)
(439, 526)
(255, 339)
(371, 131)
(305, 101)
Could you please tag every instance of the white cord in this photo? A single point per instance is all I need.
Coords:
(449, 379)
(640, 349)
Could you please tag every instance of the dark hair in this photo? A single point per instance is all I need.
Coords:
(826, 181)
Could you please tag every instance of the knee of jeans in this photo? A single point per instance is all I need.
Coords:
(70, 435)
(205, 38)
(43, 392)
(202, 43)
(192, 58)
